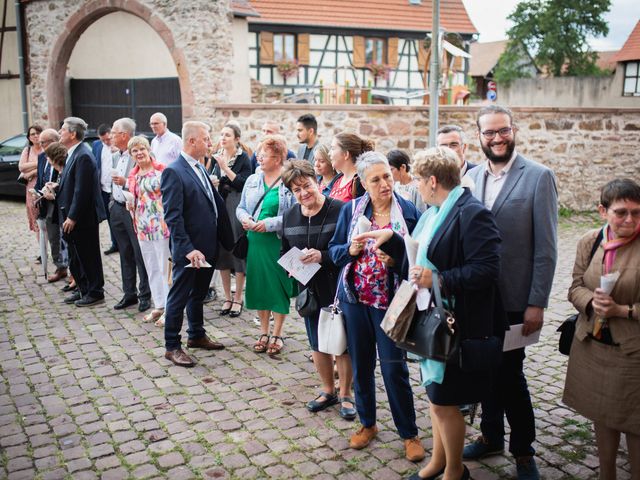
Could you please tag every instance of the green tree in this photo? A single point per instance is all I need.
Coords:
(554, 33)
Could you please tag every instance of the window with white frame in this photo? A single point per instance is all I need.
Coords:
(284, 46)
(375, 51)
(631, 79)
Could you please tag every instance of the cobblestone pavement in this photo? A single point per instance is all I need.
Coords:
(86, 393)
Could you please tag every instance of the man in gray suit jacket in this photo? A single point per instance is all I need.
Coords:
(307, 132)
(522, 195)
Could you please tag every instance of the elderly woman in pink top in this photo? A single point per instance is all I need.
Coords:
(148, 221)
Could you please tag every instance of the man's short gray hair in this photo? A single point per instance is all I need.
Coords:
(367, 160)
(127, 125)
(190, 129)
(76, 125)
(160, 116)
(50, 134)
(453, 128)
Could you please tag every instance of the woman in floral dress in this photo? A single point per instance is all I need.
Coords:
(148, 221)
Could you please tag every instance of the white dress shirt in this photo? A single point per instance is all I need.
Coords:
(166, 148)
(493, 183)
(121, 168)
(106, 162)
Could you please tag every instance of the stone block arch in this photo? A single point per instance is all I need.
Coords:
(78, 22)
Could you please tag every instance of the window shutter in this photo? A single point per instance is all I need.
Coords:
(358, 52)
(423, 56)
(266, 48)
(303, 48)
(392, 52)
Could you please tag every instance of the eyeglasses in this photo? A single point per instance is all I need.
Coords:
(115, 133)
(622, 213)
(452, 145)
(503, 132)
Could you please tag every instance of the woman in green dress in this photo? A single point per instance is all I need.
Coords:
(264, 200)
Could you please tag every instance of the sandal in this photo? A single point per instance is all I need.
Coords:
(274, 347)
(154, 315)
(261, 345)
(160, 321)
(233, 312)
(225, 311)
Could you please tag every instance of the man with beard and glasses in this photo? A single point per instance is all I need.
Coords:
(522, 195)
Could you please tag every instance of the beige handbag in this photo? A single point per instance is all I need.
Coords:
(397, 319)
(332, 336)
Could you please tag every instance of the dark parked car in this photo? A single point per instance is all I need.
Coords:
(10, 151)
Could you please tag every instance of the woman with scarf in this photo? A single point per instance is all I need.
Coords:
(603, 376)
(231, 169)
(148, 223)
(365, 289)
(459, 240)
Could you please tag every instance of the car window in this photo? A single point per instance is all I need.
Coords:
(13, 146)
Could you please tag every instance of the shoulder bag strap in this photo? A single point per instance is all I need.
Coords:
(264, 195)
(596, 244)
(324, 218)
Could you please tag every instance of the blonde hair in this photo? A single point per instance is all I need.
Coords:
(138, 141)
(440, 162)
(190, 129)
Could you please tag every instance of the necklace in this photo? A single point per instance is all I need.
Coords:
(379, 214)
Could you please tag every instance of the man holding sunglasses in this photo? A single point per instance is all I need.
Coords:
(522, 195)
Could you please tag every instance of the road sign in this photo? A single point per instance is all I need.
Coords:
(492, 95)
(491, 85)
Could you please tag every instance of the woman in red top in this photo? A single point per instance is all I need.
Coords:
(345, 150)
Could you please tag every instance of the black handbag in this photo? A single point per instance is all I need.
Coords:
(307, 301)
(568, 328)
(22, 180)
(241, 247)
(433, 332)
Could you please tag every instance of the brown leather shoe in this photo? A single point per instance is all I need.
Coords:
(179, 358)
(58, 275)
(204, 342)
(363, 437)
(413, 449)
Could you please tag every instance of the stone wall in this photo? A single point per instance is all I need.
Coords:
(197, 33)
(584, 147)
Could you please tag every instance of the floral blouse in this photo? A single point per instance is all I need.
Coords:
(370, 275)
(149, 214)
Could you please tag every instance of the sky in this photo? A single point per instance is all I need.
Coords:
(490, 18)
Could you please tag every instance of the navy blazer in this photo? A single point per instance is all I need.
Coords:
(339, 245)
(466, 253)
(79, 195)
(190, 215)
(96, 148)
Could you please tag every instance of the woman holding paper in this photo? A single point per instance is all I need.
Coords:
(457, 238)
(309, 226)
(148, 222)
(603, 376)
(263, 202)
(365, 288)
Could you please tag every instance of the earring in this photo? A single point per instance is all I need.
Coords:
(433, 192)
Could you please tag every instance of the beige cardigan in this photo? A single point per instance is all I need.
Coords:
(586, 278)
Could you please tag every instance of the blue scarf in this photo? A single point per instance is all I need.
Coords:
(428, 225)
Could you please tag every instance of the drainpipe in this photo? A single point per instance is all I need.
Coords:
(434, 76)
(23, 87)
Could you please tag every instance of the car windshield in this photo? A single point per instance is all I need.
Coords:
(13, 146)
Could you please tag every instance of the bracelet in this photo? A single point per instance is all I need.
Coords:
(630, 315)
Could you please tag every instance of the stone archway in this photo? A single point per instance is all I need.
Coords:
(78, 22)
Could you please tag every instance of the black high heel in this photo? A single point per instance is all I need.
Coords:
(416, 476)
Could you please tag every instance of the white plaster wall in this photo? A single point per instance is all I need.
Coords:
(99, 51)
(240, 80)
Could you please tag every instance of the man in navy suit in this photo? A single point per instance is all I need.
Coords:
(81, 209)
(452, 136)
(197, 219)
(104, 162)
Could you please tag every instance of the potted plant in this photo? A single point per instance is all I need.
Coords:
(378, 70)
(287, 68)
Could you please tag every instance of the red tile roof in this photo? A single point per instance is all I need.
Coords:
(606, 60)
(396, 15)
(484, 57)
(631, 48)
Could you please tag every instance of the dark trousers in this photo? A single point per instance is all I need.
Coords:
(85, 261)
(363, 333)
(190, 286)
(130, 255)
(105, 199)
(510, 396)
